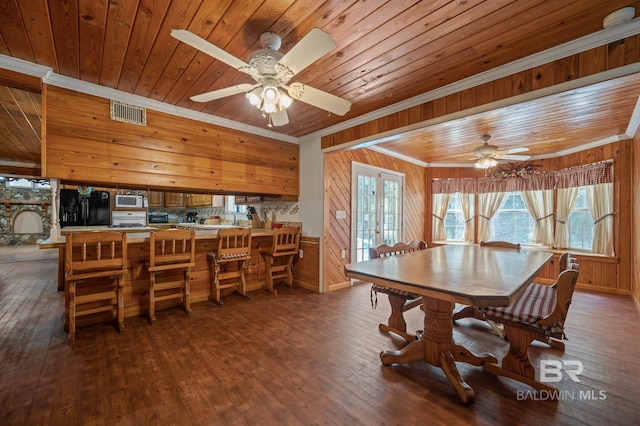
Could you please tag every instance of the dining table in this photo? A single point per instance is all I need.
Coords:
(445, 275)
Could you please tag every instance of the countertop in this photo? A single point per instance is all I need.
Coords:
(141, 234)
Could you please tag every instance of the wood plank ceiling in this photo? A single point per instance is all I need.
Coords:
(387, 51)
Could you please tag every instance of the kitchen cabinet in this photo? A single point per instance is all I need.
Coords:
(204, 200)
(174, 199)
(198, 200)
(265, 199)
(156, 199)
(248, 199)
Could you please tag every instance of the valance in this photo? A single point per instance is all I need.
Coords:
(589, 174)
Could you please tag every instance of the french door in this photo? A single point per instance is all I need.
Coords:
(377, 201)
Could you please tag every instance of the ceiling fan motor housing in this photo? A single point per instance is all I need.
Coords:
(485, 150)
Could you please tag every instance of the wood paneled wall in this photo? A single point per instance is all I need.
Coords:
(84, 145)
(306, 270)
(635, 228)
(597, 273)
(337, 196)
(593, 61)
(612, 275)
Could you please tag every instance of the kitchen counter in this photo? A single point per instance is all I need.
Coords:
(141, 233)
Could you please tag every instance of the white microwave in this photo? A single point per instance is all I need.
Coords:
(129, 201)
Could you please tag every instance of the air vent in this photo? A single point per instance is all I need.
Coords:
(128, 113)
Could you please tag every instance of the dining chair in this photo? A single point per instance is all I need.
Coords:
(278, 258)
(400, 301)
(230, 262)
(95, 265)
(171, 257)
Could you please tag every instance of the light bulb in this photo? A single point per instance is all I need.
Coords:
(270, 93)
(269, 107)
(285, 100)
(253, 98)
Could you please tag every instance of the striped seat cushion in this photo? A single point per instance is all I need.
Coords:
(537, 302)
(389, 290)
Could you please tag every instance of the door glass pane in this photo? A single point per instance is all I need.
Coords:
(391, 208)
(366, 216)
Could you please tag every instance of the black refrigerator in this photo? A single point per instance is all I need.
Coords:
(84, 210)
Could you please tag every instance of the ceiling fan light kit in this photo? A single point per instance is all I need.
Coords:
(272, 70)
(486, 163)
(490, 154)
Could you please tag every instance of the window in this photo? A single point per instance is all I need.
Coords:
(512, 222)
(580, 223)
(453, 220)
(27, 183)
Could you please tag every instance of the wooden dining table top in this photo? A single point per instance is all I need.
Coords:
(466, 274)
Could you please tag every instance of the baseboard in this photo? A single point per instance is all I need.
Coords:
(598, 289)
(339, 286)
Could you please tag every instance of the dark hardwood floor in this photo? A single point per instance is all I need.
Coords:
(295, 359)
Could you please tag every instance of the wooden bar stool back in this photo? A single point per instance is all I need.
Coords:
(230, 262)
(171, 257)
(278, 258)
(95, 265)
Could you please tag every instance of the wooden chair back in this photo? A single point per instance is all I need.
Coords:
(399, 300)
(95, 254)
(172, 249)
(233, 243)
(565, 287)
(286, 241)
(503, 244)
(384, 250)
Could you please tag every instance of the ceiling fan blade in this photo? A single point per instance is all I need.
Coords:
(318, 98)
(312, 47)
(513, 157)
(212, 50)
(515, 150)
(279, 118)
(223, 93)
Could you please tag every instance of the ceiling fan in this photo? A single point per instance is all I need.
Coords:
(488, 155)
(272, 71)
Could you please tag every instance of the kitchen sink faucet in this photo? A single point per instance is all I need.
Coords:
(235, 219)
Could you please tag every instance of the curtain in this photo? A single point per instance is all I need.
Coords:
(600, 200)
(539, 204)
(488, 205)
(566, 201)
(440, 206)
(467, 207)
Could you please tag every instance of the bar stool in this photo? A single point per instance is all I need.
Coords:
(278, 258)
(171, 251)
(234, 247)
(95, 264)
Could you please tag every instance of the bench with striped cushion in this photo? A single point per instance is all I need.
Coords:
(537, 302)
(541, 309)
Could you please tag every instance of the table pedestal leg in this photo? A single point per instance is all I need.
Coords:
(516, 364)
(437, 347)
